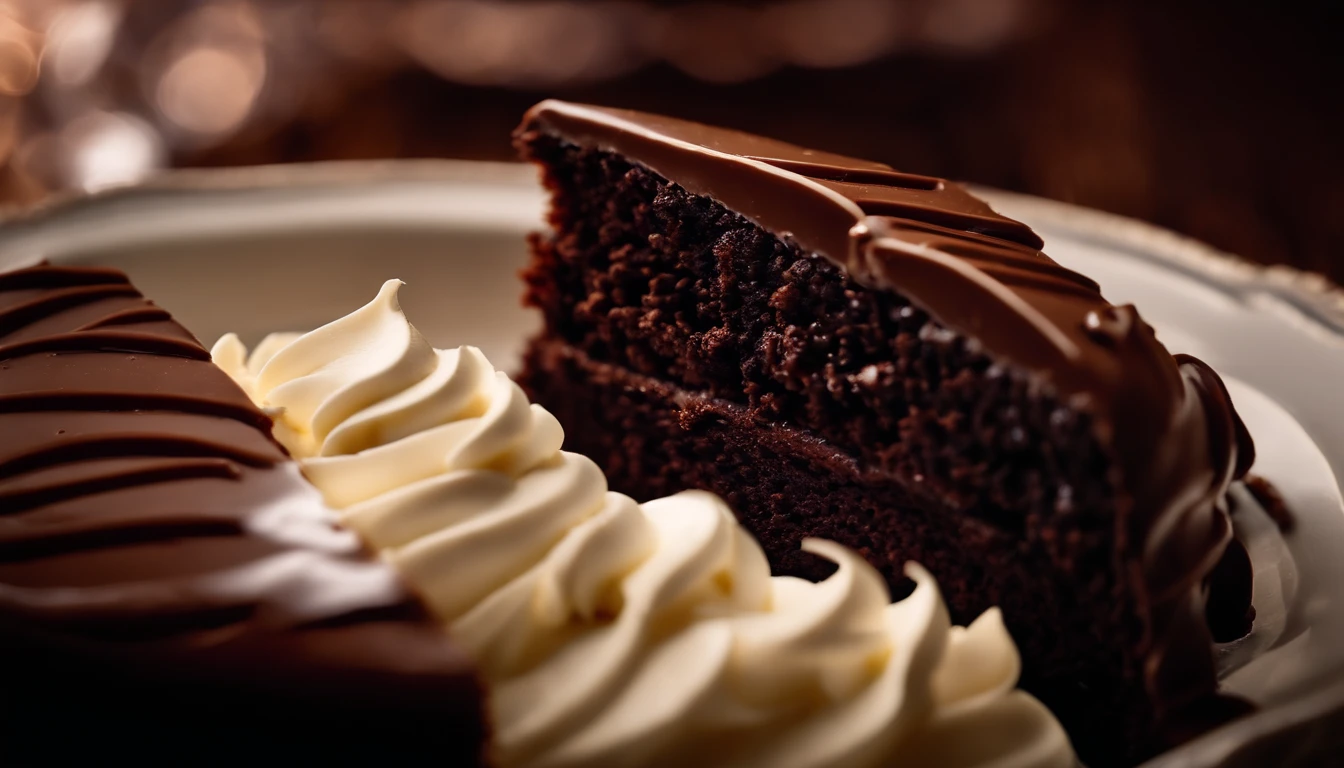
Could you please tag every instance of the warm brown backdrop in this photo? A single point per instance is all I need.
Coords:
(1222, 120)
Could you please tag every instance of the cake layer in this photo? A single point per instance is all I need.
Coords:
(654, 439)
(905, 326)
(170, 586)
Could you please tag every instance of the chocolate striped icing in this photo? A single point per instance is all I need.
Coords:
(154, 536)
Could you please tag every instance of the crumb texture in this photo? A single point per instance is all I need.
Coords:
(653, 440)
(680, 336)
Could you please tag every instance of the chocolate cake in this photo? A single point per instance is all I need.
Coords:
(171, 590)
(845, 351)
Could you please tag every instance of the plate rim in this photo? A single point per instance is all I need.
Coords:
(1308, 289)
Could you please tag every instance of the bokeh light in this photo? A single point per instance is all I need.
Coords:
(1206, 117)
(106, 149)
(79, 42)
(20, 53)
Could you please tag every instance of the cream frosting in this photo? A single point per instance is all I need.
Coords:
(613, 633)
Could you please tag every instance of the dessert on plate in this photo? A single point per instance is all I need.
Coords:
(346, 545)
(880, 359)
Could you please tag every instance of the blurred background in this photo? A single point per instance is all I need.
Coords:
(1222, 120)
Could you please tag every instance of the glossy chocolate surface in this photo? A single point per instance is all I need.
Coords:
(155, 538)
(1177, 441)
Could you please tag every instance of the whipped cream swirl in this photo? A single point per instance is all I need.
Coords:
(613, 633)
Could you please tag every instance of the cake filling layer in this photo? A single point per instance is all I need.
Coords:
(654, 439)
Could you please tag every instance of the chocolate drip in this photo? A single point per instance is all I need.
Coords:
(1176, 439)
(1229, 611)
(1271, 501)
(153, 533)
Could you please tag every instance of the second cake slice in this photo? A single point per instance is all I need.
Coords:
(845, 351)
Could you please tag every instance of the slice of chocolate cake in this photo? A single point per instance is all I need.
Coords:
(845, 351)
(171, 590)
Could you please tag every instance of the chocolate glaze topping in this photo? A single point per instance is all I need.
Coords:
(154, 535)
(1177, 440)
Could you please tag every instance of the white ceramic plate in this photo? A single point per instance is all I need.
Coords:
(288, 248)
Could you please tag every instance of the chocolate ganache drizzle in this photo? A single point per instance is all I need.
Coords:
(1176, 439)
(156, 543)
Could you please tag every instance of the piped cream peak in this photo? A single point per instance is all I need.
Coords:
(615, 633)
